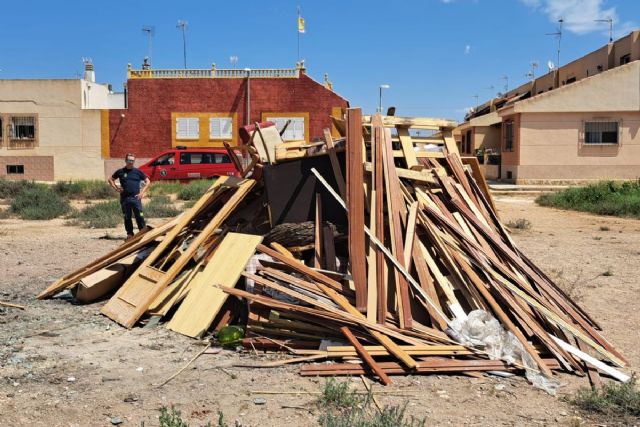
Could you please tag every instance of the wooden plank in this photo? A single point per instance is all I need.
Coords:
(415, 122)
(407, 147)
(139, 241)
(378, 185)
(479, 179)
(425, 177)
(335, 164)
(395, 230)
(355, 206)
(365, 356)
(329, 248)
(318, 251)
(201, 306)
(135, 296)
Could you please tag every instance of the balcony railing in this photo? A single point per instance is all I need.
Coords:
(216, 73)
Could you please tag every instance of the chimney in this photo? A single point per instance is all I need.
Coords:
(89, 73)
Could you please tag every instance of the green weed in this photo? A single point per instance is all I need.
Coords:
(39, 202)
(195, 189)
(86, 189)
(343, 408)
(519, 224)
(612, 399)
(160, 207)
(101, 215)
(10, 189)
(603, 198)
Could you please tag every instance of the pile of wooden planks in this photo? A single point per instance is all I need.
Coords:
(426, 279)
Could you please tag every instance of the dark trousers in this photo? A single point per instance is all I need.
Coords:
(132, 206)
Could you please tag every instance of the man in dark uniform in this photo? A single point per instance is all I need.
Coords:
(133, 184)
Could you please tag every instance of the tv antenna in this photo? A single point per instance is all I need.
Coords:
(609, 20)
(532, 73)
(149, 31)
(183, 26)
(506, 83)
(558, 35)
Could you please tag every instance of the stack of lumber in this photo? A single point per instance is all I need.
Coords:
(433, 281)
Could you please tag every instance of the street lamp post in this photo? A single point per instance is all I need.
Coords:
(385, 86)
(248, 119)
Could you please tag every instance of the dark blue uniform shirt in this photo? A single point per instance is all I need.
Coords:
(130, 180)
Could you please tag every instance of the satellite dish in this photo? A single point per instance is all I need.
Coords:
(551, 65)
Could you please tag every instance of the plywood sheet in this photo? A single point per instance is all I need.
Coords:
(205, 300)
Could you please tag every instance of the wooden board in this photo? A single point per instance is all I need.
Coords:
(144, 286)
(201, 306)
(355, 206)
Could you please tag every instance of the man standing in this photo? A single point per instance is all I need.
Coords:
(133, 184)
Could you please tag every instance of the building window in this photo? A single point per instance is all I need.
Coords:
(295, 130)
(625, 59)
(187, 128)
(508, 135)
(1, 131)
(22, 128)
(601, 132)
(469, 142)
(21, 132)
(15, 169)
(221, 128)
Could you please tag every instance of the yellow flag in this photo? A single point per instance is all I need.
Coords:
(300, 24)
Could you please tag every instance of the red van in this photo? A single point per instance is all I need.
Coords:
(189, 163)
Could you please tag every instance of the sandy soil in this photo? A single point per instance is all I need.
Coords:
(66, 365)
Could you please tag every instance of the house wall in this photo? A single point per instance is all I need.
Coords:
(487, 137)
(68, 138)
(552, 148)
(146, 128)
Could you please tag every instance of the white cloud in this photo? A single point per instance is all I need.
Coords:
(446, 1)
(580, 15)
(467, 49)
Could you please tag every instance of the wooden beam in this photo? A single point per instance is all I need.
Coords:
(365, 356)
(355, 206)
(335, 164)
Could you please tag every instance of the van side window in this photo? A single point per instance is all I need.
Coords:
(167, 159)
(222, 158)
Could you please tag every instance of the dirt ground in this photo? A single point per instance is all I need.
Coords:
(66, 365)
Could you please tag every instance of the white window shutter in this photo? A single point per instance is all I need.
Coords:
(295, 130)
(226, 127)
(214, 128)
(187, 127)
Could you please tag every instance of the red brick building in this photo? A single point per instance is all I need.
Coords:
(199, 108)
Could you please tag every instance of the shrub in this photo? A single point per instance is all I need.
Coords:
(344, 408)
(100, 215)
(195, 189)
(165, 187)
(10, 189)
(612, 399)
(87, 189)
(160, 207)
(603, 198)
(39, 202)
(171, 418)
(519, 224)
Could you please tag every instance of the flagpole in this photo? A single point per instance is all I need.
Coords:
(298, 31)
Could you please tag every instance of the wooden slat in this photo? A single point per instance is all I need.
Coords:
(355, 206)
(197, 311)
(407, 147)
(335, 164)
(365, 356)
(121, 307)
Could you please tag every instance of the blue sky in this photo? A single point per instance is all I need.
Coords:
(435, 54)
